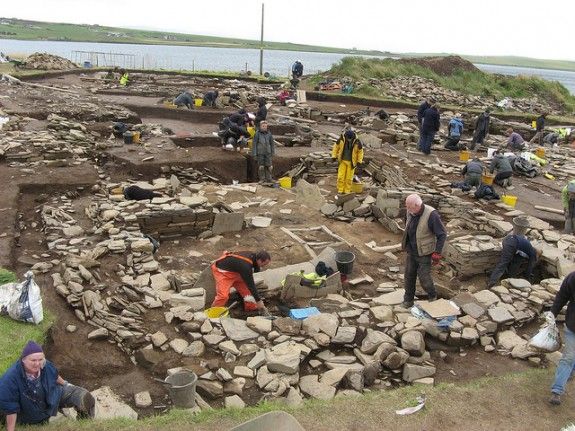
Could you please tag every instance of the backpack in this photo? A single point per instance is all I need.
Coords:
(524, 167)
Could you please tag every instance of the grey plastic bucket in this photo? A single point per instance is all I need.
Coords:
(344, 261)
(182, 389)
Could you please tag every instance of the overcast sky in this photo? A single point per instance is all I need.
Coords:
(541, 29)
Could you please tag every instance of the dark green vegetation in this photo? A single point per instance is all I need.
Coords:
(474, 82)
(36, 30)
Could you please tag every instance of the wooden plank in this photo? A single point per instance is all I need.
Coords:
(548, 209)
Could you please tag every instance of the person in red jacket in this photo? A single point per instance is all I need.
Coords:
(234, 272)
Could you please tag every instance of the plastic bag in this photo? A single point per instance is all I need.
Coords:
(547, 338)
(22, 301)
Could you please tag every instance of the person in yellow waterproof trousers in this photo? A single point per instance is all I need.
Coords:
(348, 151)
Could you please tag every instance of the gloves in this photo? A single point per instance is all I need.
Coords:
(435, 258)
(549, 316)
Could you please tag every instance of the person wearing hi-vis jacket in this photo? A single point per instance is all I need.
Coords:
(348, 151)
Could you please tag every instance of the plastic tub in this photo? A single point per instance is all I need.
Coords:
(356, 187)
(509, 200)
(540, 152)
(128, 137)
(182, 389)
(463, 155)
(198, 102)
(285, 182)
(136, 137)
(487, 179)
(344, 261)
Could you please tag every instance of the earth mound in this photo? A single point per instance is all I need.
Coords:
(45, 61)
(443, 66)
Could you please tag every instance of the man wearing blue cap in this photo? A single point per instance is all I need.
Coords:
(32, 390)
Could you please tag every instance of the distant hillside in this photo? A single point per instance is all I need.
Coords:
(37, 30)
(506, 61)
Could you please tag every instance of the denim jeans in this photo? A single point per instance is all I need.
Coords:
(418, 266)
(566, 364)
(425, 141)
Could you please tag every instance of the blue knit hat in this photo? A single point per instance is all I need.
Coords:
(31, 348)
(349, 134)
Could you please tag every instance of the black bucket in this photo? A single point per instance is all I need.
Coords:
(128, 138)
(344, 261)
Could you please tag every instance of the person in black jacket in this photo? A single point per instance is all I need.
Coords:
(429, 127)
(234, 272)
(421, 110)
(481, 128)
(262, 112)
(539, 129)
(210, 98)
(518, 257)
(566, 366)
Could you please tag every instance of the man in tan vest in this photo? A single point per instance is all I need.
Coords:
(423, 241)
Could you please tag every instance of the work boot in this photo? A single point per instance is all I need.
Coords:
(407, 304)
(268, 172)
(432, 298)
(261, 174)
(555, 399)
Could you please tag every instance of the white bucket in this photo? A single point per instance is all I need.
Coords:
(490, 151)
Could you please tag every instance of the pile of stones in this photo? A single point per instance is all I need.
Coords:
(45, 61)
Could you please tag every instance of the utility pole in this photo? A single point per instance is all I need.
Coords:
(262, 44)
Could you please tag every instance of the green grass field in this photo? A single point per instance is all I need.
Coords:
(35, 30)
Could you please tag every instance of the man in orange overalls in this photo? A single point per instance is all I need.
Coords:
(234, 272)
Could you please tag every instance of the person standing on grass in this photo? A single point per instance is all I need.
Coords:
(32, 390)
(566, 366)
(423, 240)
(429, 127)
(481, 128)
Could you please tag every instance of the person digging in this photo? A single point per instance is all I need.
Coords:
(234, 274)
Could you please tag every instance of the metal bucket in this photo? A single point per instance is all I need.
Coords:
(182, 389)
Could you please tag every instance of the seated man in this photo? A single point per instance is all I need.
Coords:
(454, 131)
(472, 172)
(515, 141)
(501, 164)
(234, 272)
(184, 99)
(32, 390)
(210, 98)
(551, 138)
(518, 257)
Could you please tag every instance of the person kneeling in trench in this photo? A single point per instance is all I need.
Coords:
(32, 390)
(234, 273)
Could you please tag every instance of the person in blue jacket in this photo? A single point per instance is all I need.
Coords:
(454, 131)
(32, 390)
(297, 69)
(518, 256)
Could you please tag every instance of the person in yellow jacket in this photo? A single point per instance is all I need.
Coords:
(348, 150)
(124, 79)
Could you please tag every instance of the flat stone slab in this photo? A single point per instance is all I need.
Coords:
(110, 406)
(237, 330)
(486, 297)
(439, 308)
(393, 298)
(500, 315)
(310, 385)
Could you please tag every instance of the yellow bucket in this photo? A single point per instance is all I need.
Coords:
(356, 187)
(285, 182)
(534, 124)
(198, 102)
(487, 179)
(509, 200)
(215, 312)
(169, 104)
(540, 152)
(463, 155)
(136, 137)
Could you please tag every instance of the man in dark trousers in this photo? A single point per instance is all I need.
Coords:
(263, 150)
(472, 172)
(566, 366)
(421, 110)
(501, 164)
(429, 127)
(539, 129)
(184, 99)
(518, 257)
(234, 273)
(262, 112)
(423, 240)
(297, 69)
(481, 128)
(210, 98)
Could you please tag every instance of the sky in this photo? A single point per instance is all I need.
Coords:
(489, 27)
